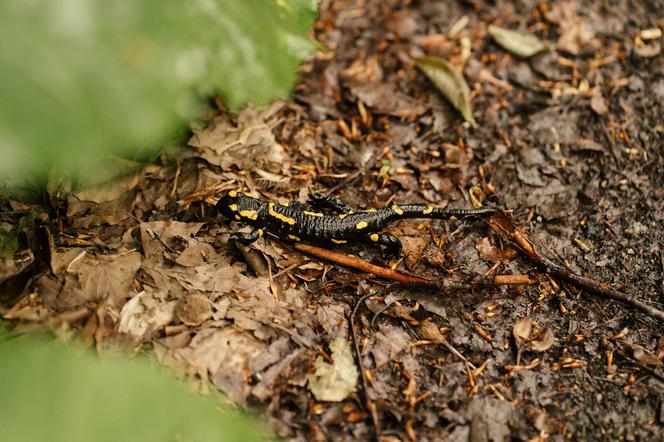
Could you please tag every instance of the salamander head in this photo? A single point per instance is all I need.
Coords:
(228, 204)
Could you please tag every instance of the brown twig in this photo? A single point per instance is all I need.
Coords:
(416, 281)
(352, 262)
(502, 224)
(371, 406)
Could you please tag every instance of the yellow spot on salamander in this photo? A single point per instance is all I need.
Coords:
(251, 214)
(369, 210)
(285, 204)
(362, 225)
(343, 215)
(374, 237)
(397, 210)
(233, 207)
(339, 241)
(427, 211)
(453, 218)
(260, 233)
(237, 217)
(313, 213)
(232, 194)
(294, 238)
(281, 217)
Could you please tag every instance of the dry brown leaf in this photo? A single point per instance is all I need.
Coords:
(644, 356)
(488, 252)
(598, 104)
(429, 331)
(85, 277)
(521, 330)
(543, 342)
(193, 310)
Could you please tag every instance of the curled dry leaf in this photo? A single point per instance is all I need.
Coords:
(644, 356)
(522, 45)
(521, 330)
(450, 82)
(543, 342)
(334, 382)
(428, 330)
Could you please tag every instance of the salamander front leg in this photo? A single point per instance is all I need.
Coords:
(329, 202)
(391, 243)
(247, 238)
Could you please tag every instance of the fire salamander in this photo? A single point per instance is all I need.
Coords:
(295, 222)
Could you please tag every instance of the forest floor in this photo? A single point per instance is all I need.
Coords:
(569, 141)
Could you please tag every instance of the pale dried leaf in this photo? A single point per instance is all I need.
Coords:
(450, 82)
(598, 104)
(429, 331)
(522, 329)
(334, 382)
(145, 313)
(543, 342)
(644, 356)
(522, 45)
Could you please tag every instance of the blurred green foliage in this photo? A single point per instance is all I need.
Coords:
(80, 79)
(48, 394)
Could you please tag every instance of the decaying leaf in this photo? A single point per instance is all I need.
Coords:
(644, 356)
(522, 45)
(14, 265)
(450, 82)
(521, 330)
(145, 313)
(334, 382)
(543, 342)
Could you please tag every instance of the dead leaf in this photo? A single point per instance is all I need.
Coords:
(429, 331)
(598, 104)
(543, 342)
(85, 277)
(644, 356)
(389, 342)
(521, 330)
(144, 314)
(488, 252)
(334, 382)
(450, 82)
(193, 310)
(15, 264)
(522, 45)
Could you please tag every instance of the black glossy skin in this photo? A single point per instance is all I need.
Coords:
(295, 222)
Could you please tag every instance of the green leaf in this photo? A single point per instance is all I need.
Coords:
(522, 45)
(450, 83)
(86, 78)
(269, 43)
(50, 395)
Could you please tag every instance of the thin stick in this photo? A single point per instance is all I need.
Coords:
(502, 224)
(371, 406)
(418, 281)
(351, 261)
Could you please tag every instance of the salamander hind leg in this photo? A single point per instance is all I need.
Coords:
(329, 202)
(391, 243)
